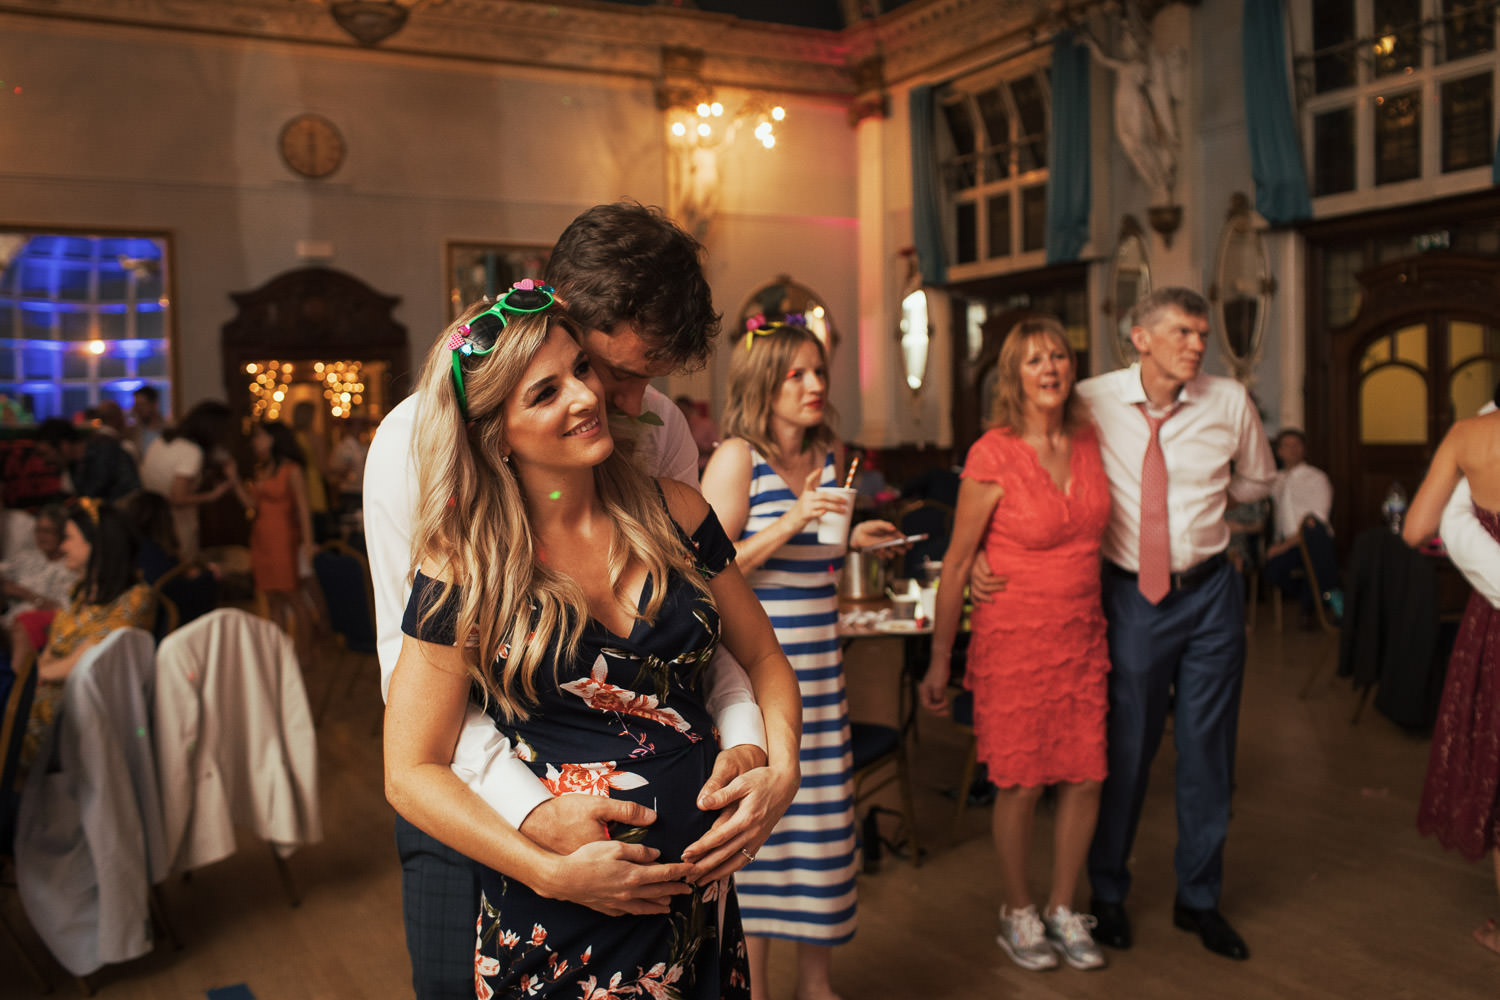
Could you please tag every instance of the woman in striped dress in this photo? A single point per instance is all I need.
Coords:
(763, 482)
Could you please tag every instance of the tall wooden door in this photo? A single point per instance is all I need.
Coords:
(1423, 351)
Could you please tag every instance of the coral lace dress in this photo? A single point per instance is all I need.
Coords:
(1461, 796)
(1038, 660)
(625, 719)
(275, 535)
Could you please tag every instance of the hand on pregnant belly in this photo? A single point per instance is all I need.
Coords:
(750, 798)
(564, 823)
(592, 870)
(615, 878)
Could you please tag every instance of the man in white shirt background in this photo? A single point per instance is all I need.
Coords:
(1298, 492)
(1178, 446)
(634, 282)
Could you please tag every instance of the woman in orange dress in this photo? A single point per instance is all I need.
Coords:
(1035, 498)
(281, 529)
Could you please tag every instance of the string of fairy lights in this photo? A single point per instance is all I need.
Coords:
(343, 386)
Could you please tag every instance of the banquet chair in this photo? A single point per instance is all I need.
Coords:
(344, 576)
(17, 706)
(89, 844)
(185, 592)
(1318, 558)
(879, 754)
(234, 742)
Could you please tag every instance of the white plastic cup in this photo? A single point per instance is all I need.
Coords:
(927, 601)
(833, 527)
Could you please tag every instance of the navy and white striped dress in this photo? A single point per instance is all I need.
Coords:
(801, 885)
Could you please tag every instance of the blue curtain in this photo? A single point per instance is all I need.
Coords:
(1069, 192)
(1275, 153)
(926, 198)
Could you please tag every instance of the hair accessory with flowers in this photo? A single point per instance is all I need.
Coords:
(477, 337)
(90, 506)
(759, 326)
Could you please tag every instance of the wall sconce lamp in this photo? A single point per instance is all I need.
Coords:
(914, 331)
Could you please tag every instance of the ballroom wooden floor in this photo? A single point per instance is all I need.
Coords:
(1327, 878)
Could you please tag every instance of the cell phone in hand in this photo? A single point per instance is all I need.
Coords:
(908, 540)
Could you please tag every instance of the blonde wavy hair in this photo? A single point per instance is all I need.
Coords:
(1008, 412)
(472, 520)
(757, 371)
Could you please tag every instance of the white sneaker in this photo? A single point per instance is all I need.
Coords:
(1068, 932)
(1024, 939)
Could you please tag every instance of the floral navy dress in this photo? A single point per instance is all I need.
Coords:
(625, 719)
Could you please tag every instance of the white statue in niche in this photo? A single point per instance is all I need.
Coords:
(1149, 84)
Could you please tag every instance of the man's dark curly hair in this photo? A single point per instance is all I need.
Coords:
(627, 263)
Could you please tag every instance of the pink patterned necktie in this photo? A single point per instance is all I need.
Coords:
(1154, 569)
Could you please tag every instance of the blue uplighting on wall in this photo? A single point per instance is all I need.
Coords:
(67, 298)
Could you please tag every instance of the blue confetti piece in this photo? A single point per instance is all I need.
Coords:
(239, 991)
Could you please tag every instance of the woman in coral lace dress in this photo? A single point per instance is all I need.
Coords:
(281, 538)
(1034, 496)
(1461, 796)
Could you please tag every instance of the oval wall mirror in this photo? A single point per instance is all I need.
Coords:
(781, 296)
(1242, 288)
(1129, 282)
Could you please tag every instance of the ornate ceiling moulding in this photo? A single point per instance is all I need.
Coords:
(611, 39)
(920, 39)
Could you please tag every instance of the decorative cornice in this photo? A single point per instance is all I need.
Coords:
(918, 39)
(926, 39)
(598, 38)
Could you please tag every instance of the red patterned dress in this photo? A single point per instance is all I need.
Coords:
(1038, 660)
(1461, 796)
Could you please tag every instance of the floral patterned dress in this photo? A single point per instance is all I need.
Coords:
(626, 719)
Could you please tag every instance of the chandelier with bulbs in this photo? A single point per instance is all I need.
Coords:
(706, 123)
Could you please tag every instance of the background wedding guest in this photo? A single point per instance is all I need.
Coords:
(37, 581)
(1035, 499)
(1298, 492)
(146, 418)
(99, 546)
(1461, 794)
(1179, 446)
(96, 465)
(779, 448)
(176, 463)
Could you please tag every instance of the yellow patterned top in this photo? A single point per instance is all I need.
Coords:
(81, 623)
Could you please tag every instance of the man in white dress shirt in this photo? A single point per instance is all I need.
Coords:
(1299, 492)
(1174, 604)
(634, 282)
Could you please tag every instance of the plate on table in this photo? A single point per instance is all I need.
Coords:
(897, 625)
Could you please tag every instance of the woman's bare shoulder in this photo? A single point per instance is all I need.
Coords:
(685, 504)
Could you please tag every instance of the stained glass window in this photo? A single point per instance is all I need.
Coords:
(1333, 152)
(1398, 137)
(1468, 115)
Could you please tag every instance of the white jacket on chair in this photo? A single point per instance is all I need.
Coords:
(234, 739)
(89, 839)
